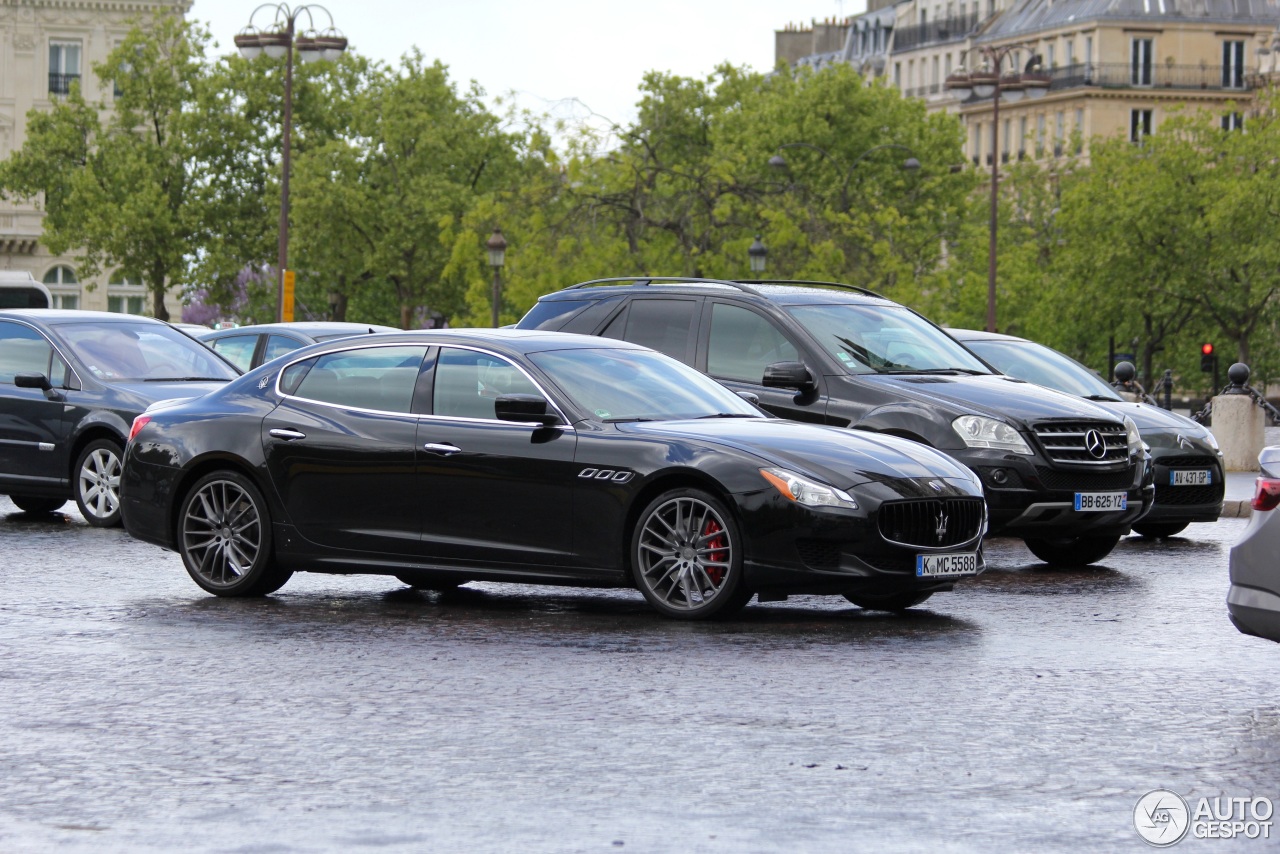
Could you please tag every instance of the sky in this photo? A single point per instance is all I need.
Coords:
(571, 58)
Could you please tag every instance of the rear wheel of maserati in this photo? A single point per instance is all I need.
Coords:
(224, 537)
(1072, 551)
(887, 602)
(686, 556)
(1159, 529)
(35, 504)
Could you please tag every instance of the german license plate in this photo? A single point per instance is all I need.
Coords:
(1095, 502)
(1190, 478)
(960, 563)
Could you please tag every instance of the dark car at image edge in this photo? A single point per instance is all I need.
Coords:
(1067, 477)
(446, 457)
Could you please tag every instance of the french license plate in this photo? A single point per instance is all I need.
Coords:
(1190, 478)
(960, 563)
(1094, 502)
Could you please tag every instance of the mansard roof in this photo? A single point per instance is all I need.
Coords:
(1029, 16)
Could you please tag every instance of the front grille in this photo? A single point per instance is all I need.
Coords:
(1084, 481)
(1199, 462)
(1066, 442)
(1185, 496)
(932, 522)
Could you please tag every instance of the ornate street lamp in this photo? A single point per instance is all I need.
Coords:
(910, 164)
(756, 256)
(497, 246)
(989, 82)
(278, 42)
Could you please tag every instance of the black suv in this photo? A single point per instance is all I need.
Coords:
(1066, 476)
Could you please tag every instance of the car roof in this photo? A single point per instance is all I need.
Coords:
(64, 316)
(306, 327)
(782, 291)
(981, 335)
(512, 340)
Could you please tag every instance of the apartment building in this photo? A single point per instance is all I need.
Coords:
(45, 47)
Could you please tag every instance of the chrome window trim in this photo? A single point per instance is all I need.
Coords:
(423, 416)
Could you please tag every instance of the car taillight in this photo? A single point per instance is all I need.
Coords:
(1266, 495)
(138, 423)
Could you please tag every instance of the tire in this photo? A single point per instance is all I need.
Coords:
(1153, 529)
(1072, 551)
(96, 482)
(37, 505)
(896, 602)
(430, 581)
(686, 556)
(224, 537)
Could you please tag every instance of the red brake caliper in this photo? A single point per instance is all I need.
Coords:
(719, 550)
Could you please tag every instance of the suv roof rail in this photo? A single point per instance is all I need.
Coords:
(744, 285)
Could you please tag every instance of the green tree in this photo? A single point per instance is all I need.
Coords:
(117, 191)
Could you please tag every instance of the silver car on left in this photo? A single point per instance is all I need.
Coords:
(1254, 598)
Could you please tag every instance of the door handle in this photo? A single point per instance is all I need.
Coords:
(441, 448)
(287, 435)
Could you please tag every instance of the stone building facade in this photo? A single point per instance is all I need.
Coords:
(45, 47)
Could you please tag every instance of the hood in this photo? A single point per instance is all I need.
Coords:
(1162, 429)
(992, 395)
(839, 457)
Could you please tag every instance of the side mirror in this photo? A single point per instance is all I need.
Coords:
(32, 380)
(749, 397)
(789, 375)
(524, 408)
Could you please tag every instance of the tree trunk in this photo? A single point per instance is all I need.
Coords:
(406, 315)
(339, 305)
(158, 309)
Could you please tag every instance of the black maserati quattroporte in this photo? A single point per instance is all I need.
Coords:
(503, 455)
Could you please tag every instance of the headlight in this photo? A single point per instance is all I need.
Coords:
(808, 492)
(1135, 438)
(979, 432)
(1211, 439)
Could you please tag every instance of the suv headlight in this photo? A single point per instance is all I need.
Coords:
(1136, 444)
(808, 492)
(979, 432)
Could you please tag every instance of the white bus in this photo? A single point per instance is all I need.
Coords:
(21, 290)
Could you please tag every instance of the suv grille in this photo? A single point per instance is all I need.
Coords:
(1084, 443)
(932, 522)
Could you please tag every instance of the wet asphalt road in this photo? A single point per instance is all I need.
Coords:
(1028, 710)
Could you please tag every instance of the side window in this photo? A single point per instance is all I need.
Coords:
(278, 345)
(237, 349)
(378, 378)
(22, 350)
(59, 373)
(467, 383)
(743, 343)
(662, 325)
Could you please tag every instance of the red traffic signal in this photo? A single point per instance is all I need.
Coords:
(1208, 361)
(1206, 349)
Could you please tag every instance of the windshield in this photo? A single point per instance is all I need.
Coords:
(884, 339)
(638, 385)
(1038, 364)
(142, 352)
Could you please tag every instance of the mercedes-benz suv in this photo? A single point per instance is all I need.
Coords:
(1066, 476)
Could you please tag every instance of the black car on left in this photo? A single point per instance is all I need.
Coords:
(503, 455)
(71, 383)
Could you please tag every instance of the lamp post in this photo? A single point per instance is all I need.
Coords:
(990, 82)
(777, 161)
(278, 42)
(497, 246)
(756, 256)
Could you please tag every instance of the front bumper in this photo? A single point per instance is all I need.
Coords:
(1186, 503)
(1029, 497)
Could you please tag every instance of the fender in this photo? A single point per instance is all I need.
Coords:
(912, 419)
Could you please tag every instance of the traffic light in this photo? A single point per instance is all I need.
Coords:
(1208, 361)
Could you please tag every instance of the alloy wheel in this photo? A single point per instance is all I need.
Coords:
(684, 553)
(222, 533)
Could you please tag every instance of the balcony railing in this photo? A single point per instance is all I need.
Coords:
(934, 32)
(1122, 75)
(60, 84)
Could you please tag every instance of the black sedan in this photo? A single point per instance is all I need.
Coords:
(247, 347)
(1187, 464)
(71, 382)
(505, 455)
